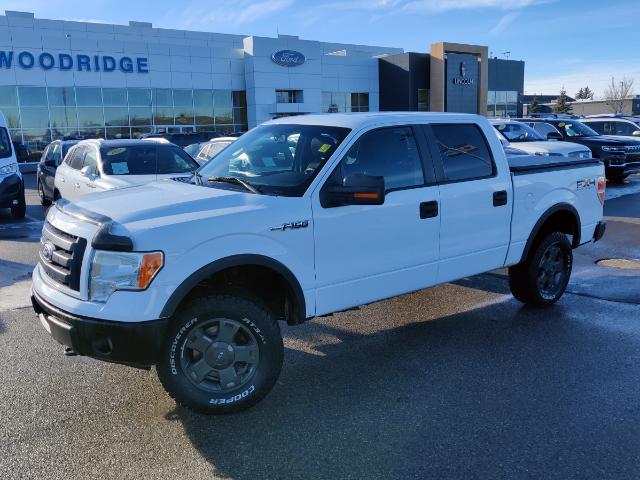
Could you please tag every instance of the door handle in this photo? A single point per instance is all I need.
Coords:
(91, 185)
(428, 209)
(500, 198)
(77, 185)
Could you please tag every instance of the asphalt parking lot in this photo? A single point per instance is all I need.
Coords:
(459, 381)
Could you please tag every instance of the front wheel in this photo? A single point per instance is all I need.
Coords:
(543, 277)
(222, 354)
(20, 210)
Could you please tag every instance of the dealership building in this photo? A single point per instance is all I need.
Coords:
(62, 78)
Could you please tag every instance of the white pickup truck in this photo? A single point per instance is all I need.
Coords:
(302, 217)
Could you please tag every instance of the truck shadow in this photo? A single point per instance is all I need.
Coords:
(497, 391)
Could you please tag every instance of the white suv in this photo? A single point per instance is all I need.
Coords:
(96, 165)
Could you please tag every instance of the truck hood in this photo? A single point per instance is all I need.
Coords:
(122, 181)
(602, 140)
(555, 148)
(167, 199)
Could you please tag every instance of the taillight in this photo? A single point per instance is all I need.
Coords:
(602, 185)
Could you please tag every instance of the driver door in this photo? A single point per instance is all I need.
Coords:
(366, 253)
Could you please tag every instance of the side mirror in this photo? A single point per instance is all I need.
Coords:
(355, 190)
(88, 171)
(554, 136)
(636, 133)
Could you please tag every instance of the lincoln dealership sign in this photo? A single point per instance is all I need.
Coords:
(78, 62)
(462, 79)
(288, 58)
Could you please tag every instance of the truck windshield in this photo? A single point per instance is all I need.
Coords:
(5, 144)
(518, 132)
(575, 129)
(276, 159)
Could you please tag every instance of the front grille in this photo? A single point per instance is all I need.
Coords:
(632, 149)
(61, 256)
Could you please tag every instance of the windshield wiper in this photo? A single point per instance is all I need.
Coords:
(236, 181)
(197, 177)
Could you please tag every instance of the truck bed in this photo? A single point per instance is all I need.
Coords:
(524, 164)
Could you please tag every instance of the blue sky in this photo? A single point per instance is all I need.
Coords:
(571, 42)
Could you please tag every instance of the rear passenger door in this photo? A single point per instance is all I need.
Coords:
(365, 253)
(475, 201)
(68, 174)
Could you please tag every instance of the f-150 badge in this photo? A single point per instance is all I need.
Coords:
(291, 226)
(586, 183)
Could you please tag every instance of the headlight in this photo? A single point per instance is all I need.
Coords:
(542, 154)
(613, 149)
(111, 271)
(9, 169)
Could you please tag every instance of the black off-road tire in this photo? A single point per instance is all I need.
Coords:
(527, 280)
(201, 323)
(19, 211)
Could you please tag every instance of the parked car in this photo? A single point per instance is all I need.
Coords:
(49, 162)
(97, 165)
(624, 127)
(303, 217)
(212, 148)
(621, 157)
(11, 182)
(184, 139)
(193, 149)
(521, 136)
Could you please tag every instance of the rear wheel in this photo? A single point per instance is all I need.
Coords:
(44, 201)
(543, 277)
(222, 354)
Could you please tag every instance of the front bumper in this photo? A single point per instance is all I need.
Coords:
(10, 190)
(622, 164)
(136, 344)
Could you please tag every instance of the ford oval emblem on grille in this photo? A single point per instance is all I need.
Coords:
(47, 251)
(288, 58)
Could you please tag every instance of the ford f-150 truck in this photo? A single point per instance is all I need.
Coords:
(303, 217)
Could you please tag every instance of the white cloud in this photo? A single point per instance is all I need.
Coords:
(505, 21)
(227, 14)
(447, 5)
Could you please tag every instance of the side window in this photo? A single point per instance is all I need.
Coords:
(76, 160)
(91, 160)
(391, 153)
(56, 153)
(599, 127)
(204, 152)
(624, 128)
(464, 152)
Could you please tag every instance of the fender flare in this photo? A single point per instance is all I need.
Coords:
(566, 207)
(298, 309)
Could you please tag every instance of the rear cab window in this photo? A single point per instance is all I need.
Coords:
(5, 143)
(463, 151)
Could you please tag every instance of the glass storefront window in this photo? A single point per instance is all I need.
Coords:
(163, 115)
(88, 96)
(114, 116)
(35, 117)
(183, 106)
(223, 115)
(8, 97)
(423, 100)
(60, 133)
(12, 114)
(90, 117)
(240, 99)
(32, 96)
(140, 115)
(63, 117)
(139, 97)
(203, 107)
(139, 132)
(91, 132)
(222, 99)
(240, 115)
(115, 96)
(62, 96)
(36, 141)
(162, 97)
(117, 133)
(334, 102)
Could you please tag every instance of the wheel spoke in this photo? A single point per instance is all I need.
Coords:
(246, 353)
(228, 377)
(199, 341)
(199, 370)
(227, 331)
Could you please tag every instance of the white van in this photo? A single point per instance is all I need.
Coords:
(11, 183)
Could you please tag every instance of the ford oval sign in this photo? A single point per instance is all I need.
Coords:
(288, 58)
